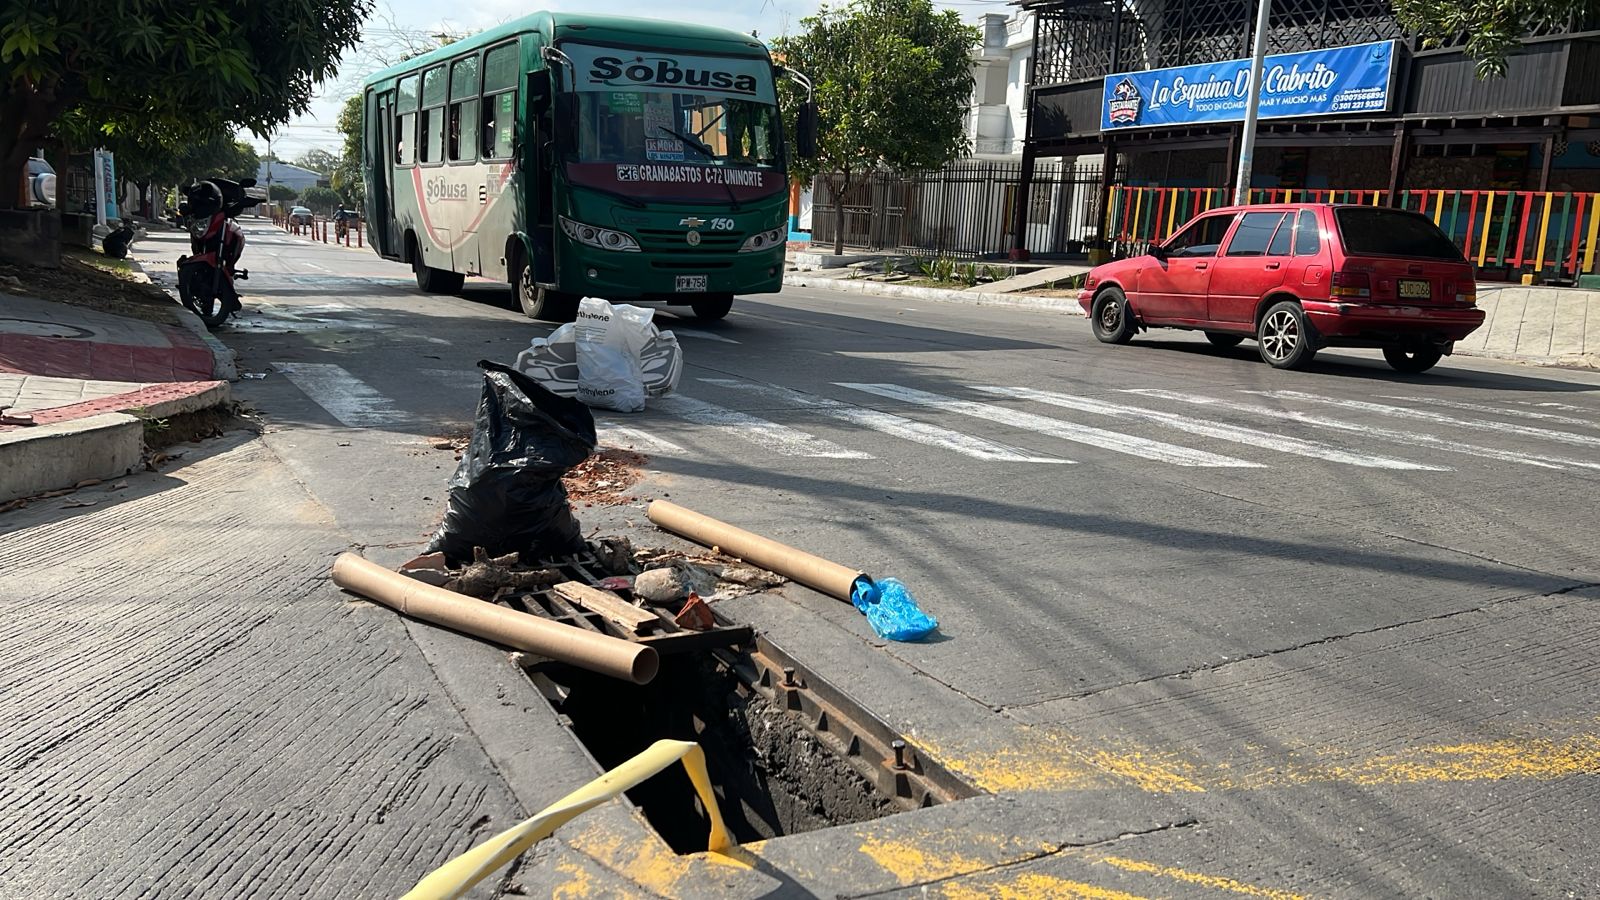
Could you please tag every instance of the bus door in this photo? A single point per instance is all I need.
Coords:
(383, 174)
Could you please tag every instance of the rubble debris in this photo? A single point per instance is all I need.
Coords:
(615, 554)
(695, 614)
(485, 576)
(614, 609)
(663, 585)
(605, 477)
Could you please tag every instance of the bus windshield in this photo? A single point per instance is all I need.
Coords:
(664, 127)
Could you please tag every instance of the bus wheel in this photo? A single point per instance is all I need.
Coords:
(712, 306)
(542, 303)
(436, 281)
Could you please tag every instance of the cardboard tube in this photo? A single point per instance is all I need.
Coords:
(813, 571)
(567, 643)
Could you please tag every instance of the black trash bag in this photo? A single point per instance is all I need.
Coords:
(507, 495)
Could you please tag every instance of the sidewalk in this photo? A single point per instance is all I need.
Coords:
(76, 385)
(1537, 325)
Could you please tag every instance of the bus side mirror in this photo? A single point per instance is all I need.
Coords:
(805, 137)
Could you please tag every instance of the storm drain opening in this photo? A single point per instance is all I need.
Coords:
(787, 752)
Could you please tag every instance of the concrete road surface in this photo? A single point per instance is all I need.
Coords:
(1207, 628)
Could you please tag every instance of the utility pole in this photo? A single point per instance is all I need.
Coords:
(269, 173)
(1252, 108)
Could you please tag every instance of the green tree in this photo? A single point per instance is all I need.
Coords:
(282, 193)
(320, 199)
(893, 79)
(346, 177)
(85, 72)
(317, 160)
(1494, 28)
(151, 157)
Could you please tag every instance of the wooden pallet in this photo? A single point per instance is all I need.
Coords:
(668, 637)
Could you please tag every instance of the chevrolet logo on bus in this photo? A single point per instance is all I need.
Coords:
(692, 222)
(662, 72)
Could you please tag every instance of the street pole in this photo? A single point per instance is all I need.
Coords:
(1247, 146)
(270, 210)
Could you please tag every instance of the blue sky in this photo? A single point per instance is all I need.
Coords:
(399, 23)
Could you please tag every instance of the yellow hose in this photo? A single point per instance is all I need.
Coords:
(457, 876)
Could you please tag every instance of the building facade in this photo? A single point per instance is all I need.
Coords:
(1136, 82)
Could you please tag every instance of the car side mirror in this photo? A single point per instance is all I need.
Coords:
(1159, 251)
(805, 131)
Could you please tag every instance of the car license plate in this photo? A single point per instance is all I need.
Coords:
(1415, 290)
(690, 283)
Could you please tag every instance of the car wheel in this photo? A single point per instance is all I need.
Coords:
(1412, 359)
(543, 303)
(435, 281)
(1284, 336)
(1223, 339)
(1110, 318)
(712, 306)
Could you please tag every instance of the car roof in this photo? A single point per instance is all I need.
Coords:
(1278, 207)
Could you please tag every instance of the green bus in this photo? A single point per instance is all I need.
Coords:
(576, 155)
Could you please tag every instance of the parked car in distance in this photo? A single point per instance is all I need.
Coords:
(300, 215)
(1296, 277)
(40, 184)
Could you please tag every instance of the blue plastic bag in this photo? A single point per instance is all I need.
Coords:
(891, 610)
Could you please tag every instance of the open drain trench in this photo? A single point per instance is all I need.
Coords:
(787, 751)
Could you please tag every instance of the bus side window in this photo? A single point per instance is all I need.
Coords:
(430, 136)
(463, 126)
(499, 102)
(405, 145)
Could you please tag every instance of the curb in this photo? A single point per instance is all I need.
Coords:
(49, 457)
(222, 356)
(1063, 305)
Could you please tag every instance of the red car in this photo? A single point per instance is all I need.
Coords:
(1296, 277)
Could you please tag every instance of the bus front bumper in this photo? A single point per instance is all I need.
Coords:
(674, 277)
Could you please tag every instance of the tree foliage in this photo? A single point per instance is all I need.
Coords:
(892, 79)
(320, 199)
(153, 158)
(317, 160)
(1493, 28)
(85, 72)
(346, 176)
(282, 193)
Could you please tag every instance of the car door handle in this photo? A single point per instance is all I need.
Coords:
(1273, 265)
(1201, 265)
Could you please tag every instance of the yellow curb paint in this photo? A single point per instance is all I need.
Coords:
(913, 863)
(1035, 886)
(1062, 762)
(1218, 882)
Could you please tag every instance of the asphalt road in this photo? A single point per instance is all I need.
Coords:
(1338, 626)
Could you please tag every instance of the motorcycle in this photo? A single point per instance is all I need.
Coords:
(207, 274)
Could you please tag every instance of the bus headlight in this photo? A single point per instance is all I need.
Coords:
(766, 240)
(604, 238)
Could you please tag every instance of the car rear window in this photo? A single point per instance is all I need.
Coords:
(1375, 231)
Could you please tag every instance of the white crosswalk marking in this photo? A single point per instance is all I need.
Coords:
(1413, 438)
(628, 438)
(1406, 412)
(779, 439)
(1486, 408)
(1068, 431)
(1223, 432)
(345, 397)
(898, 426)
(703, 335)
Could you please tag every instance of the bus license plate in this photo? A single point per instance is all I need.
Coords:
(1415, 290)
(691, 283)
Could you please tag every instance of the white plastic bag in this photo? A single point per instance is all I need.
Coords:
(554, 361)
(610, 340)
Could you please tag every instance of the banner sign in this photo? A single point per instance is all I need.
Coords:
(615, 71)
(1335, 81)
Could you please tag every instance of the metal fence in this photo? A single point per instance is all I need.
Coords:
(1548, 233)
(966, 210)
